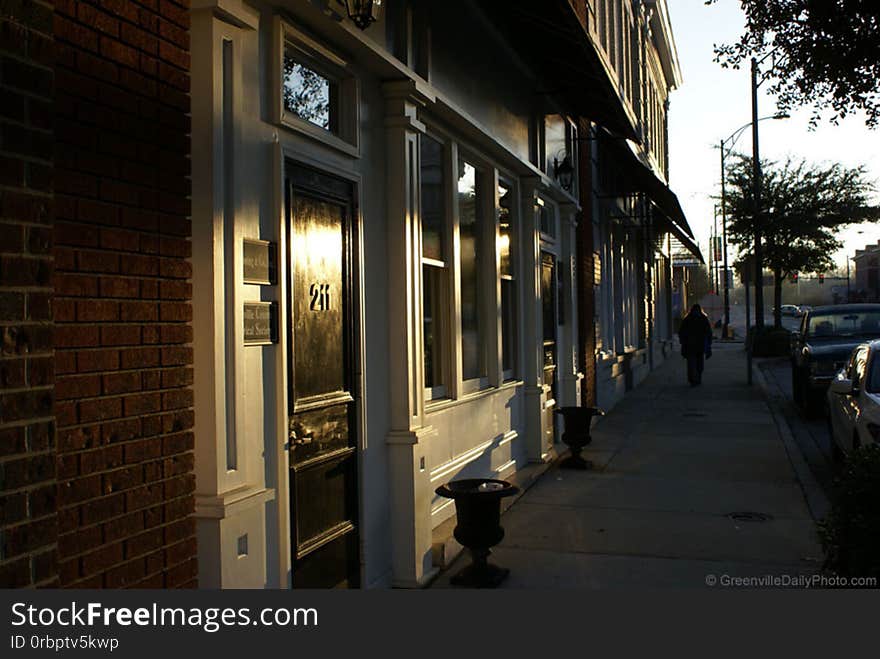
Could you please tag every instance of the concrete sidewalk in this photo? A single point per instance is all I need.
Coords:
(674, 466)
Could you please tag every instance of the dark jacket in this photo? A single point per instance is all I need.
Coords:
(695, 334)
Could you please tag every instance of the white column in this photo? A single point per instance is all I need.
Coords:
(532, 323)
(410, 485)
(231, 493)
(618, 263)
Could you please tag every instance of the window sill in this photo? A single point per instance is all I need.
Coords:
(302, 127)
(446, 403)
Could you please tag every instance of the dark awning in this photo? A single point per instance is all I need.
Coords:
(638, 177)
(552, 40)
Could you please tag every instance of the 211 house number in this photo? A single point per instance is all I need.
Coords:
(320, 294)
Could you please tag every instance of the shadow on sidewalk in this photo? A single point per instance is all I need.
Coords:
(689, 482)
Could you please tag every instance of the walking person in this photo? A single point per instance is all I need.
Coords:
(695, 335)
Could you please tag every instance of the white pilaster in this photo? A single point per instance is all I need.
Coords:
(533, 332)
(569, 377)
(231, 493)
(410, 475)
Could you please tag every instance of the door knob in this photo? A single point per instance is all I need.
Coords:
(295, 440)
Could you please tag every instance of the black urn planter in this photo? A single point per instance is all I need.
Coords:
(577, 434)
(478, 527)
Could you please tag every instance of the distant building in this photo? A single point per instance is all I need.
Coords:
(866, 287)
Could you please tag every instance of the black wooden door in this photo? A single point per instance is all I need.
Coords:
(549, 322)
(322, 395)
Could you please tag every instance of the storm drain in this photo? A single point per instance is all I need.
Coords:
(749, 516)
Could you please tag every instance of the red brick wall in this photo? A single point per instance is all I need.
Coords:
(28, 523)
(122, 294)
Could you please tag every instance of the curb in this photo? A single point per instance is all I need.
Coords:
(815, 497)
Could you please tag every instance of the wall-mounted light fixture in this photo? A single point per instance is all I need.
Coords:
(364, 12)
(564, 172)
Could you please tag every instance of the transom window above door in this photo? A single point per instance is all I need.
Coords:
(308, 94)
(314, 91)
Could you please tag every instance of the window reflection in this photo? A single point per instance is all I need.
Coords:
(435, 300)
(508, 283)
(470, 227)
(308, 94)
(433, 215)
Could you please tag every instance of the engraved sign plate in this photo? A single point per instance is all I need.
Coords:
(260, 324)
(258, 262)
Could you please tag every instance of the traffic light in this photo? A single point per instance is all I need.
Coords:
(794, 277)
(821, 277)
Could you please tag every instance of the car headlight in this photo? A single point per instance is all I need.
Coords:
(823, 368)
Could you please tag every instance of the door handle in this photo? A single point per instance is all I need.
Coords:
(295, 440)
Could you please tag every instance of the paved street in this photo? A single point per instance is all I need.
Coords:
(674, 467)
(738, 319)
(810, 433)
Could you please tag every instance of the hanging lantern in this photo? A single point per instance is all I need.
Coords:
(363, 12)
(564, 172)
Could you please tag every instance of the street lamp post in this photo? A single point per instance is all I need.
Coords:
(725, 332)
(724, 148)
(715, 281)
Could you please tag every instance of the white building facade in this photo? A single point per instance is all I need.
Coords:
(386, 272)
(636, 218)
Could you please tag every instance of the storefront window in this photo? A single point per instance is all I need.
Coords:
(546, 219)
(508, 281)
(435, 273)
(470, 197)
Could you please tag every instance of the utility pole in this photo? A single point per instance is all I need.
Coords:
(756, 184)
(749, 337)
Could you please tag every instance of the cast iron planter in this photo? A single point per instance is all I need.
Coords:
(577, 434)
(478, 516)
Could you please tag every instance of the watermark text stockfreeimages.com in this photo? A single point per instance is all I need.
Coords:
(789, 581)
(94, 616)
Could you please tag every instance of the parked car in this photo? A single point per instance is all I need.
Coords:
(791, 310)
(821, 346)
(854, 400)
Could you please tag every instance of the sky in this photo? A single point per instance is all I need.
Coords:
(713, 102)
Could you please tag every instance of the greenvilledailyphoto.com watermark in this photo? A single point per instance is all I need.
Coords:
(789, 581)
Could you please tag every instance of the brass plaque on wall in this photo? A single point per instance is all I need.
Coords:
(258, 262)
(260, 323)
